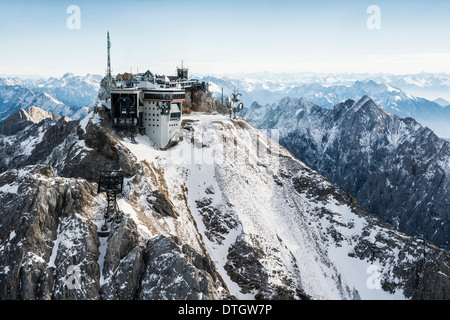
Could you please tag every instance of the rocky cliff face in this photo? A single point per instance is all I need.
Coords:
(224, 213)
(394, 167)
(199, 100)
(50, 248)
(46, 227)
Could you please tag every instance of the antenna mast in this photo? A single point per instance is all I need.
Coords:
(108, 70)
(109, 58)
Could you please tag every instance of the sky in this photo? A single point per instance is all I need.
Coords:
(220, 37)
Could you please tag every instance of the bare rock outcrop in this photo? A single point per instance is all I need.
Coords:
(46, 233)
(176, 271)
(21, 119)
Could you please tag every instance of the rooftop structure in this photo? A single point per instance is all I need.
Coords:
(149, 80)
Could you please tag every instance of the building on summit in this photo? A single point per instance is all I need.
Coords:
(147, 102)
(151, 103)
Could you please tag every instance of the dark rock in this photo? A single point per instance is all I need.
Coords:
(174, 272)
(21, 119)
(46, 212)
(123, 263)
(162, 205)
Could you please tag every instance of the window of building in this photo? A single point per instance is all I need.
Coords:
(179, 96)
(157, 96)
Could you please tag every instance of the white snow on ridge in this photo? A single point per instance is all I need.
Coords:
(223, 168)
(9, 188)
(29, 145)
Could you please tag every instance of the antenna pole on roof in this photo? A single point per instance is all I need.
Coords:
(108, 69)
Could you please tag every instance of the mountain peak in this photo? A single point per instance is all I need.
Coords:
(370, 106)
(442, 102)
(68, 75)
(351, 108)
(365, 99)
(36, 114)
(367, 82)
(21, 119)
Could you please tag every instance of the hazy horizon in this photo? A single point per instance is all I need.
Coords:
(224, 75)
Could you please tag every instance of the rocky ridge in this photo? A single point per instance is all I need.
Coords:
(393, 166)
(224, 213)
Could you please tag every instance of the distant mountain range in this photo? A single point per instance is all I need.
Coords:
(426, 85)
(69, 95)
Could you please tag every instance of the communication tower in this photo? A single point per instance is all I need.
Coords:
(109, 84)
(233, 104)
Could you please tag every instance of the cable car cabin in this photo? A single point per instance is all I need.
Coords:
(110, 182)
(124, 107)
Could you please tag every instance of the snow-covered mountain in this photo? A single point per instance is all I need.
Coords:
(224, 212)
(427, 85)
(70, 95)
(393, 100)
(395, 167)
(329, 90)
(14, 98)
(73, 90)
